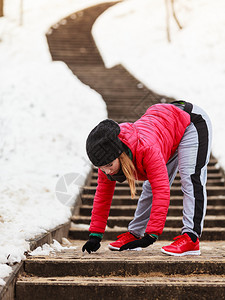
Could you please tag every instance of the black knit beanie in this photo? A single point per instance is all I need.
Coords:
(103, 144)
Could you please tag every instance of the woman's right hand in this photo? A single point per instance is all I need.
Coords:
(92, 245)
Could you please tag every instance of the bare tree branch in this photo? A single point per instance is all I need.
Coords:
(174, 14)
(167, 20)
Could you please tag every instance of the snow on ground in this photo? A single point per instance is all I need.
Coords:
(46, 114)
(191, 67)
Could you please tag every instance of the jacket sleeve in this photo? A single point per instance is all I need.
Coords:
(102, 203)
(157, 175)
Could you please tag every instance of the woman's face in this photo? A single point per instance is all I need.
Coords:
(111, 168)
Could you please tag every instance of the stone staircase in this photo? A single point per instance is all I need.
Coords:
(146, 274)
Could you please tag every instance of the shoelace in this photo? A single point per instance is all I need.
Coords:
(123, 235)
(179, 240)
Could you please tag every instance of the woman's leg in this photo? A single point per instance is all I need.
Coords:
(142, 214)
(193, 157)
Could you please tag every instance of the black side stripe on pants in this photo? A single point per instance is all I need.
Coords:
(203, 139)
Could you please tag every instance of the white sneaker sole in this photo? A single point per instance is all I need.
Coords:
(112, 248)
(196, 252)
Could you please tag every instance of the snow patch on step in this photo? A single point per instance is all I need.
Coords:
(46, 249)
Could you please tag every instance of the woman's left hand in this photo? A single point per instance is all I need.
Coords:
(143, 243)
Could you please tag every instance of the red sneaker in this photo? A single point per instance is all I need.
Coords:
(183, 245)
(123, 239)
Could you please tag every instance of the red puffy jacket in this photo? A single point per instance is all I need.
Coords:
(152, 139)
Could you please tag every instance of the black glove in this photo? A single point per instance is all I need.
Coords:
(143, 243)
(92, 245)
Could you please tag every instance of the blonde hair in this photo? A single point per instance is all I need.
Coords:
(129, 171)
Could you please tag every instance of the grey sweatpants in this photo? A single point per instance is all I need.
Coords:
(191, 159)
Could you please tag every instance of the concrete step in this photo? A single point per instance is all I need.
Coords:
(174, 200)
(176, 222)
(157, 287)
(210, 169)
(209, 234)
(174, 191)
(68, 48)
(118, 267)
(210, 182)
(70, 56)
(128, 210)
(210, 176)
(176, 183)
(82, 60)
(119, 83)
